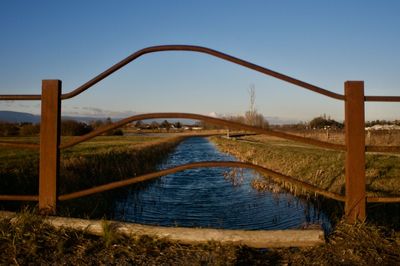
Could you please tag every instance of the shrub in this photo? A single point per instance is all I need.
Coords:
(29, 129)
(8, 129)
(74, 128)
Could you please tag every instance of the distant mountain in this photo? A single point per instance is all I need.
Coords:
(275, 120)
(18, 117)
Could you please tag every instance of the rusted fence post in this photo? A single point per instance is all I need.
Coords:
(49, 142)
(355, 157)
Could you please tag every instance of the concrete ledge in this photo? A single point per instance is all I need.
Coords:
(251, 238)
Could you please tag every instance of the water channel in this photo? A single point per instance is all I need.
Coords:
(204, 198)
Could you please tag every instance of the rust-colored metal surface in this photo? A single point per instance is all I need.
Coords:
(19, 197)
(382, 98)
(383, 199)
(49, 142)
(204, 50)
(22, 145)
(211, 120)
(265, 171)
(383, 149)
(191, 48)
(21, 97)
(355, 155)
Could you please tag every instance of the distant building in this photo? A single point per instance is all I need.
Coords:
(383, 127)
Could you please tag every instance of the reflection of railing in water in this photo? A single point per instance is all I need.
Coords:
(355, 148)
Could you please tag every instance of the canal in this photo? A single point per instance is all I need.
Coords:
(204, 197)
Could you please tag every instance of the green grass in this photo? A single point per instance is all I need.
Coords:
(13, 156)
(29, 240)
(95, 162)
(10, 157)
(321, 167)
(106, 143)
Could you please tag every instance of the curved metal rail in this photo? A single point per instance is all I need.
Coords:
(205, 50)
(138, 179)
(192, 48)
(212, 120)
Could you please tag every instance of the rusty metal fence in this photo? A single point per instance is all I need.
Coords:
(355, 198)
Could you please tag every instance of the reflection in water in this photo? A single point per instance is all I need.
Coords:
(205, 197)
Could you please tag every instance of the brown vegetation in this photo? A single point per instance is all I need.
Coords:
(27, 239)
(320, 167)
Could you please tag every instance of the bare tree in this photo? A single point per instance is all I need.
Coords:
(252, 117)
(251, 113)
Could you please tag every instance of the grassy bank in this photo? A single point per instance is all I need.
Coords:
(99, 161)
(27, 239)
(320, 167)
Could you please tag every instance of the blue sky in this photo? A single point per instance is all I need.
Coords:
(321, 42)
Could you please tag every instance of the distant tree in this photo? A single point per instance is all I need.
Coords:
(208, 126)
(28, 129)
(108, 121)
(115, 132)
(237, 118)
(74, 128)
(252, 117)
(178, 125)
(325, 122)
(154, 125)
(139, 124)
(8, 129)
(165, 124)
(260, 121)
(97, 123)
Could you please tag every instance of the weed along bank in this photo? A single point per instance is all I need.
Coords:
(49, 195)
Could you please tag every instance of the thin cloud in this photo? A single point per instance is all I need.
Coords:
(95, 112)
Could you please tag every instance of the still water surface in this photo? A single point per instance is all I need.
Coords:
(204, 198)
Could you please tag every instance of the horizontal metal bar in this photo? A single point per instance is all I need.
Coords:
(383, 149)
(383, 199)
(146, 177)
(21, 97)
(382, 98)
(19, 198)
(211, 120)
(25, 145)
